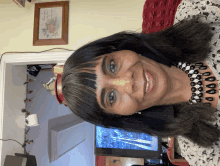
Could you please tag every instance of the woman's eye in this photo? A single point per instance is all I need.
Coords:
(112, 66)
(111, 97)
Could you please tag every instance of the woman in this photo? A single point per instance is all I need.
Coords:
(134, 81)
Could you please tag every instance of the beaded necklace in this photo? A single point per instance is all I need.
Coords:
(194, 72)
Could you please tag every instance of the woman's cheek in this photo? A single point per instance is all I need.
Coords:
(128, 106)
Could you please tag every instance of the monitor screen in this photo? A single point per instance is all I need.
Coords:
(121, 143)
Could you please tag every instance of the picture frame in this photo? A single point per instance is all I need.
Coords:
(51, 23)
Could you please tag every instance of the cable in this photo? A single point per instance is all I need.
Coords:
(34, 52)
(17, 142)
(12, 140)
(24, 145)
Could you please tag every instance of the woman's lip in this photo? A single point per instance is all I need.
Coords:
(145, 82)
(149, 81)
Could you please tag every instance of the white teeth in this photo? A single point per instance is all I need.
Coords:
(147, 81)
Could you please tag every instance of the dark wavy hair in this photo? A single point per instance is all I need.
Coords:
(186, 41)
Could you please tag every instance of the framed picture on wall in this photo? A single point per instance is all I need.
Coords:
(51, 23)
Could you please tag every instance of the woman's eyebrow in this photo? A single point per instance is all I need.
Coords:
(102, 97)
(103, 69)
(103, 66)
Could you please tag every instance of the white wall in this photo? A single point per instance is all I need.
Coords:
(88, 20)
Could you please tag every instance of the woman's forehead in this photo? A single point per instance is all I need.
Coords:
(90, 65)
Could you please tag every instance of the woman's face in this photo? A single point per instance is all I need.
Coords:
(128, 82)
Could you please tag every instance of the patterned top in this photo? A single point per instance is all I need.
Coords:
(194, 154)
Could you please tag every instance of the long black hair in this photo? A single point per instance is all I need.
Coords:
(186, 41)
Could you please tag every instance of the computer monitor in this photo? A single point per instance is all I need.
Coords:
(120, 143)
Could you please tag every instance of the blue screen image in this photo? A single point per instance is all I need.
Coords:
(122, 139)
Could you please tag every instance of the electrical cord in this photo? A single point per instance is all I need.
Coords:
(12, 140)
(24, 145)
(17, 142)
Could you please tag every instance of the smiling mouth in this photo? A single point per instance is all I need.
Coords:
(145, 82)
(146, 88)
(148, 82)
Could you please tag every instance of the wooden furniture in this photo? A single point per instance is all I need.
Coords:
(117, 161)
(171, 156)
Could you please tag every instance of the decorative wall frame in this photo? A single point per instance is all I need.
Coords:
(51, 23)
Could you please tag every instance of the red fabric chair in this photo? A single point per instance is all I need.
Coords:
(159, 15)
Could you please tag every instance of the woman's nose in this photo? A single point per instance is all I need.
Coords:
(125, 82)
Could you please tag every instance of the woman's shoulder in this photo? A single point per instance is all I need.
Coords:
(197, 155)
(206, 8)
